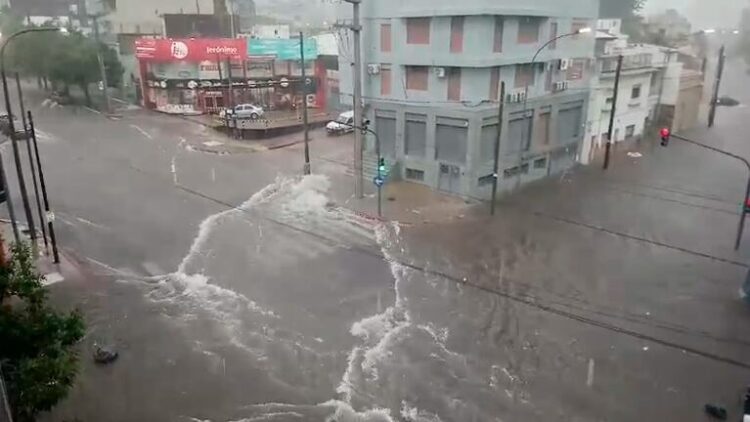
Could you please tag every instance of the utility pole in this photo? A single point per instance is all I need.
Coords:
(306, 169)
(102, 69)
(17, 161)
(357, 69)
(495, 168)
(231, 19)
(610, 132)
(27, 135)
(717, 85)
(50, 215)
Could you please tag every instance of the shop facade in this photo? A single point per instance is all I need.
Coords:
(197, 76)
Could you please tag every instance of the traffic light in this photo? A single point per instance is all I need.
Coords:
(665, 134)
(381, 166)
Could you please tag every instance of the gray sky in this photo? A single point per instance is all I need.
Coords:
(703, 13)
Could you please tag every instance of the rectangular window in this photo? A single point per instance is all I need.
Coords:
(457, 34)
(414, 174)
(569, 124)
(540, 163)
(417, 78)
(418, 30)
(542, 131)
(487, 144)
(385, 38)
(494, 84)
(451, 138)
(385, 127)
(528, 30)
(454, 84)
(511, 172)
(635, 92)
(548, 74)
(575, 69)
(486, 180)
(385, 81)
(524, 75)
(553, 35)
(519, 135)
(415, 135)
(629, 131)
(578, 25)
(498, 38)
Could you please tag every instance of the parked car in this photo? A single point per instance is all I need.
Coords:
(342, 124)
(243, 111)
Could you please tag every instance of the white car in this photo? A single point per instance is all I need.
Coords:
(342, 124)
(243, 111)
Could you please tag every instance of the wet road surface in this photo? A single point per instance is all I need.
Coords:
(589, 297)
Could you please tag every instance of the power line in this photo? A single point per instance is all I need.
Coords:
(530, 301)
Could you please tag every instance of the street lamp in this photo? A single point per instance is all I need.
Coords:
(580, 31)
(11, 126)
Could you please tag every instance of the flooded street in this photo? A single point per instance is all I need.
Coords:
(245, 293)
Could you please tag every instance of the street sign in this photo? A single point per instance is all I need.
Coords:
(379, 181)
(50, 216)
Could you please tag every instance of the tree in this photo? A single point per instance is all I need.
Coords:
(38, 359)
(627, 10)
(64, 60)
(622, 9)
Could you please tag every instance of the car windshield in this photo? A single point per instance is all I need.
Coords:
(539, 214)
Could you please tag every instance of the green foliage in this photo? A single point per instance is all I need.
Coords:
(623, 9)
(37, 356)
(63, 59)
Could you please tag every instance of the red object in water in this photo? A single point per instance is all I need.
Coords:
(665, 133)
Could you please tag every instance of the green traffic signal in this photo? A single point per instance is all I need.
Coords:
(381, 165)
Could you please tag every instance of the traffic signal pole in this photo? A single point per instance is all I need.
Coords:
(608, 147)
(717, 86)
(746, 201)
(496, 162)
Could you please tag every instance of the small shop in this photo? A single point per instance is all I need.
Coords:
(206, 75)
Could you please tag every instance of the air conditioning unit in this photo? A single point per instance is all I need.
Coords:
(516, 97)
(373, 69)
(560, 86)
(440, 72)
(564, 64)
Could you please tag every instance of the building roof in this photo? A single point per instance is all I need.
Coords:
(43, 7)
(602, 35)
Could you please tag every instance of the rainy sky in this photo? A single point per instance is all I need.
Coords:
(703, 13)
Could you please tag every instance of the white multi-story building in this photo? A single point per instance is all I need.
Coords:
(650, 78)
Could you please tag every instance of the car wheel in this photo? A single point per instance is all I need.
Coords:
(254, 116)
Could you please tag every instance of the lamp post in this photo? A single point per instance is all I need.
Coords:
(14, 141)
(580, 31)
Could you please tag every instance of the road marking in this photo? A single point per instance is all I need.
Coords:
(213, 174)
(93, 110)
(174, 169)
(122, 273)
(590, 377)
(91, 223)
(143, 132)
(213, 143)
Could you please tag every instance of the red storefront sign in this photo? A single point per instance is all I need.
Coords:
(192, 49)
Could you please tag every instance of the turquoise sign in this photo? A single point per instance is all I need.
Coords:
(282, 49)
